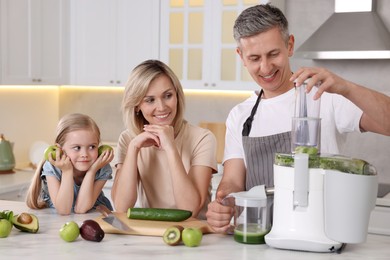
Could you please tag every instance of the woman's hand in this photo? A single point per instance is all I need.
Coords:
(145, 139)
(164, 133)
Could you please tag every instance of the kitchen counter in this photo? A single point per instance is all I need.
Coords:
(13, 186)
(46, 244)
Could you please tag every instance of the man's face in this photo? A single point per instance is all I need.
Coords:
(266, 58)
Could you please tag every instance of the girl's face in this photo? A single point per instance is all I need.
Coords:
(159, 106)
(81, 146)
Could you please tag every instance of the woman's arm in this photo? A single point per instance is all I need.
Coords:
(190, 189)
(124, 189)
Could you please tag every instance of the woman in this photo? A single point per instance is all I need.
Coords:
(163, 161)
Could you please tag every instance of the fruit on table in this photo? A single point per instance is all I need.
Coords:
(5, 227)
(26, 222)
(104, 148)
(90, 230)
(192, 236)
(159, 214)
(70, 231)
(52, 149)
(172, 235)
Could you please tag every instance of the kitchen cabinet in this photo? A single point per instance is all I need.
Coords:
(110, 37)
(197, 42)
(34, 37)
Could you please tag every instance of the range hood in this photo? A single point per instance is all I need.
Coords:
(354, 31)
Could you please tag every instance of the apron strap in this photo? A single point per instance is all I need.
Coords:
(248, 123)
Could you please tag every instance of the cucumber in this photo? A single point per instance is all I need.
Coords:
(159, 214)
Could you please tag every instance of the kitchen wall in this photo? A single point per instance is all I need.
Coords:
(28, 115)
(305, 16)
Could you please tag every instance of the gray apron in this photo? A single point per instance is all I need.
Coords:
(260, 152)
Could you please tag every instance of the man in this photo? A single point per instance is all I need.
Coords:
(261, 125)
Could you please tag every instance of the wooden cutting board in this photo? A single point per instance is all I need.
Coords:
(150, 227)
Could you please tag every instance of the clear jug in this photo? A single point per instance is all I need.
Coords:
(306, 123)
(252, 217)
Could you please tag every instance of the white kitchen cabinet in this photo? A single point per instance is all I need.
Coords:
(111, 37)
(197, 42)
(34, 41)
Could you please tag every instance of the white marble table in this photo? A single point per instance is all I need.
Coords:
(13, 186)
(46, 244)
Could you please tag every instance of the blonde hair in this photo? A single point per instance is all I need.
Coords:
(67, 124)
(136, 89)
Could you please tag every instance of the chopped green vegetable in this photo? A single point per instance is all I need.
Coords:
(330, 162)
(311, 150)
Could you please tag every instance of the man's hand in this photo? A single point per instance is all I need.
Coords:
(220, 213)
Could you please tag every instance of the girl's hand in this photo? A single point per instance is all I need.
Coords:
(62, 161)
(104, 159)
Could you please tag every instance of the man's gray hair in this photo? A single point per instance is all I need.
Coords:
(258, 19)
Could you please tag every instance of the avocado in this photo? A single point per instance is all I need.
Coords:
(26, 222)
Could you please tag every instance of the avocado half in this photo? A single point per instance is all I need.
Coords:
(19, 223)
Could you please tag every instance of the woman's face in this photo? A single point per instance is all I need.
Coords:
(81, 146)
(159, 106)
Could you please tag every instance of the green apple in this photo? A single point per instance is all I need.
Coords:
(191, 236)
(5, 228)
(104, 148)
(52, 149)
(70, 231)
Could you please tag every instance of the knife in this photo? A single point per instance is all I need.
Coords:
(112, 219)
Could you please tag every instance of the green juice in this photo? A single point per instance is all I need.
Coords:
(253, 235)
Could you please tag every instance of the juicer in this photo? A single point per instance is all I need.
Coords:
(321, 201)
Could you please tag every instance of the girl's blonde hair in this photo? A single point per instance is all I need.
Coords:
(136, 89)
(67, 124)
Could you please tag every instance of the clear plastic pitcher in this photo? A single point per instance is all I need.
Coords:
(306, 123)
(252, 217)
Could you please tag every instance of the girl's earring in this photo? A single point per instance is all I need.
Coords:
(137, 113)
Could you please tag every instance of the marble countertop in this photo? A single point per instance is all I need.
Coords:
(20, 179)
(46, 244)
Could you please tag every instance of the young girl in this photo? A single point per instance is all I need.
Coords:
(75, 179)
(163, 161)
